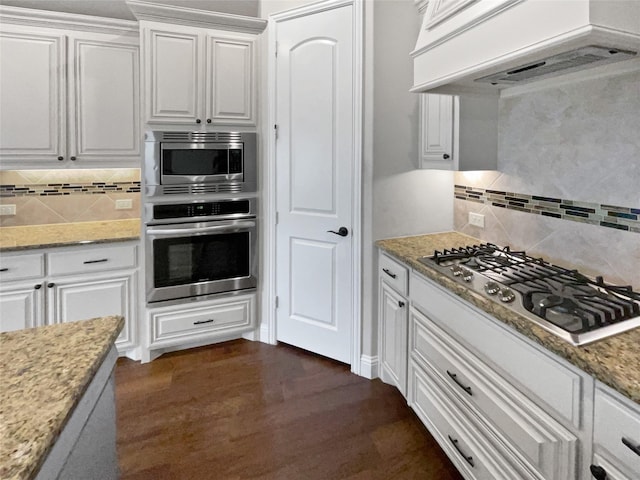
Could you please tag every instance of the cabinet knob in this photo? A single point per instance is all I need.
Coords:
(51, 285)
(198, 120)
(37, 287)
(208, 120)
(60, 158)
(445, 156)
(598, 473)
(73, 159)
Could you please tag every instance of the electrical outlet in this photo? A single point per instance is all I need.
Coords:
(7, 209)
(124, 204)
(476, 219)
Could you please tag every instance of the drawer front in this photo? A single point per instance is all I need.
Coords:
(500, 347)
(464, 441)
(616, 419)
(189, 324)
(394, 274)
(543, 442)
(96, 259)
(21, 267)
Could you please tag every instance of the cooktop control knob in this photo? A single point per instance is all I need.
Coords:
(467, 275)
(492, 288)
(507, 295)
(456, 270)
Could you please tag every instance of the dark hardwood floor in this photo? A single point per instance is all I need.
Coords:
(246, 410)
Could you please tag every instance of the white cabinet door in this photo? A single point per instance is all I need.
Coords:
(393, 342)
(174, 77)
(104, 103)
(20, 306)
(32, 97)
(83, 298)
(436, 133)
(229, 91)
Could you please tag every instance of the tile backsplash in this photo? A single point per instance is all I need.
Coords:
(573, 152)
(63, 196)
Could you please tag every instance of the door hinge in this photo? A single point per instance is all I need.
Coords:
(276, 49)
(277, 218)
(275, 130)
(277, 301)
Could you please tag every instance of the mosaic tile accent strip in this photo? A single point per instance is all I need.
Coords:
(610, 216)
(54, 189)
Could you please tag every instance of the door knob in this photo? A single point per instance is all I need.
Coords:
(342, 231)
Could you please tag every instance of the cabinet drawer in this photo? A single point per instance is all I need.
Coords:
(464, 441)
(616, 419)
(21, 267)
(394, 273)
(171, 325)
(500, 347)
(545, 444)
(92, 260)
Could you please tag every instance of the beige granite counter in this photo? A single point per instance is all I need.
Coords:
(64, 234)
(614, 361)
(43, 374)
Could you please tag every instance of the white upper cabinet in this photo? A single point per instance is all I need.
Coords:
(198, 76)
(32, 95)
(68, 97)
(458, 132)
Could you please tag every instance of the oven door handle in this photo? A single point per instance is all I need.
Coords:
(226, 227)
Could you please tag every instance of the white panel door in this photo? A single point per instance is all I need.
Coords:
(32, 97)
(20, 306)
(314, 161)
(436, 135)
(174, 77)
(230, 98)
(104, 112)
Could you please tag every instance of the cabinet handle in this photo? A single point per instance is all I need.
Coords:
(400, 303)
(4, 269)
(629, 444)
(200, 322)
(208, 120)
(102, 260)
(198, 120)
(445, 156)
(469, 459)
(454, 377)
(37, 287)
(51, 285)
(60, 158)
(73, 159)
(598, 473)
(392, 275)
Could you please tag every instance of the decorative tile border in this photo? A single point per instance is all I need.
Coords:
(621, 218)
(91, 188)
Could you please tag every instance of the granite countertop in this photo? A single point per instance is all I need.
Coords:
(614, 361)
(65, 234)
(44, 372)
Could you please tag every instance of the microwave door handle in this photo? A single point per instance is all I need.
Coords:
(213, 228)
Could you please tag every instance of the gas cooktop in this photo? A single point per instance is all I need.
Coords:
(566, 303)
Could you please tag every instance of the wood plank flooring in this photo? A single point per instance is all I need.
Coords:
(247, 410)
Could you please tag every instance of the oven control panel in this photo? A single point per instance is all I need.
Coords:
(202, 209)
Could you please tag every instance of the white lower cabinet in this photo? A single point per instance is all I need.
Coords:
(616, 436)
(70, 284)
(217, 319)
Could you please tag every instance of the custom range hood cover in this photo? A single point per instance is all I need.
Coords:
(476, 45)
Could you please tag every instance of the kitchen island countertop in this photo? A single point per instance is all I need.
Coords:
(615, 361)
(44, 373)
(65, 234)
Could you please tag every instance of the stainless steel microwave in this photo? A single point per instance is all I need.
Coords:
(199, 162)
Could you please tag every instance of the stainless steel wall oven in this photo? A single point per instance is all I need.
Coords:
(200, 247)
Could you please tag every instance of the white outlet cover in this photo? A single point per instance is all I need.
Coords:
(476, 219)
(7, 209)
(124, 204)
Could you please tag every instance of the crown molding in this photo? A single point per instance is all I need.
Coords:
(68, 21)
(154, 12)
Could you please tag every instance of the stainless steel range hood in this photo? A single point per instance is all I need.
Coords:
(486, 45)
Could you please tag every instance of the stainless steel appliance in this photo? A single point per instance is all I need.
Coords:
(179, 163)
(566, 303)
(199, 248)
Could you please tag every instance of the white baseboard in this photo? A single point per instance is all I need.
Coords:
(369, 366)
